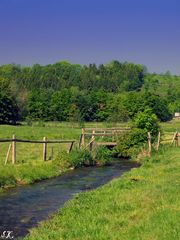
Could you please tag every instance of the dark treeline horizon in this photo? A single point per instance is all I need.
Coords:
(72, 92)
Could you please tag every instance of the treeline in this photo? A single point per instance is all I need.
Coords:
(71, 92)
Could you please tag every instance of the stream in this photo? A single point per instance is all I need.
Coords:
(21, 208)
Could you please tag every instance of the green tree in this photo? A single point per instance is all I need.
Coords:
(8, 110)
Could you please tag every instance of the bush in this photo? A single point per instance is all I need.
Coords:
(147, 121)
(102, 155)
(129, 144)
(79, 158)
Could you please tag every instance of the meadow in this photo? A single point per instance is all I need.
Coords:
(30, 166)
(143, 204)
(52, 130)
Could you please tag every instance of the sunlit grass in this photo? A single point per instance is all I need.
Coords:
(143, 204)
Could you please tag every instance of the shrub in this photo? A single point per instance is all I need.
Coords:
(79, 158)
(102, 155)
(62, 160)
(129, 144)
(147, 121)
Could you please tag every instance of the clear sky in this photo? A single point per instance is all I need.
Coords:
(91, 31)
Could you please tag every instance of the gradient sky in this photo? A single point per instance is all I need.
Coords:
(88, 31)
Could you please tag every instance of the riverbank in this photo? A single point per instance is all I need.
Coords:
(23, 207)
(143, 204)
(14, 175)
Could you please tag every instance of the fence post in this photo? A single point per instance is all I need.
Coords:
(70, 148)
(92, 140)
(149, 143)
(83, 137)
(44, 149)
(174, 138)
(7, 155)
(13, 149)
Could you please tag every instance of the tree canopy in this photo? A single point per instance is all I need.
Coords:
(70, 92)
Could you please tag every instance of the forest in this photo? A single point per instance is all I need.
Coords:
(63, 91)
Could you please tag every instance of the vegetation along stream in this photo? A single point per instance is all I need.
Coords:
(22, 208)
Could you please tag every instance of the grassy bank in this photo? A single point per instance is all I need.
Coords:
(11, 176)
(143, 204)
(29, 166)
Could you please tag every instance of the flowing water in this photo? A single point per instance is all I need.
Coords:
(23, 207)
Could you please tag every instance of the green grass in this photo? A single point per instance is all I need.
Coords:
(142, 205)
(29, 166)
(27, 152)
(171, 126)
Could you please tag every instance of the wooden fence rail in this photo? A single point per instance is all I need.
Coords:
(174, 140)
(91, 133)
(45, 142)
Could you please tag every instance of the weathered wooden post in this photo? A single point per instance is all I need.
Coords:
(71, 146)
(149, 143)
(44, 148)
(92, 140)
(83, 137)
(13, 149)
(7, 155)
(174, 138)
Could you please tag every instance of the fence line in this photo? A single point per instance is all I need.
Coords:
(100, 132)
(45, 142)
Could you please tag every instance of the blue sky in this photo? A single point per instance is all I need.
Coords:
(88, 31)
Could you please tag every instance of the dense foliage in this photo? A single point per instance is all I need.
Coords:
(71, 92)
(129, 144)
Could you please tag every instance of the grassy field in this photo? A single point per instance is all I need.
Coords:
(33, 152)
(30, 166)
(143, 204)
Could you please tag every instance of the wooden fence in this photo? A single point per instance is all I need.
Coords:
(171, 141)
(89, 135)
(44, 142)
(87, 140)
(175, 140)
